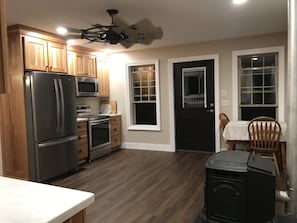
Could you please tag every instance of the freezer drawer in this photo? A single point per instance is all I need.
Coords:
(55, 158)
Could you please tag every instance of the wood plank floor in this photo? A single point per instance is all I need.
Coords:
(134, 186)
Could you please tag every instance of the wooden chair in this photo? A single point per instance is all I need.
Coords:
(264, 134)
(223, 121)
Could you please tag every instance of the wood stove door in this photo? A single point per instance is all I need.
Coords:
(225, 199)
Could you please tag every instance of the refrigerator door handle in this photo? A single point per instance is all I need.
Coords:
(58, 106)
(62, 105)
(56, 142)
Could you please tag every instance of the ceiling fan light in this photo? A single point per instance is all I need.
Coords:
(61, 30)
(238, 2)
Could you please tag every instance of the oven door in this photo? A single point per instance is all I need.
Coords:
(99, 134)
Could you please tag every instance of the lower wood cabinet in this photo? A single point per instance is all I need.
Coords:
(82, 135)
(115, 125)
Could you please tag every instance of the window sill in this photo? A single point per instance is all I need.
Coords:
(144, 128)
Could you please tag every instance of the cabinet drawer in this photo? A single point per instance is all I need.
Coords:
(115, 120)
(82, 139)
(82, 151)
(115, 129)
(115, 141)
(81, 125)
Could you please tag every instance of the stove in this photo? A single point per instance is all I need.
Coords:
(98, 131)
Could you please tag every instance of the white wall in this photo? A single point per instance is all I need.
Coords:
(161, 140)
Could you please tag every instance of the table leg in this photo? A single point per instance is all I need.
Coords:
(230, 145)
(283, 155)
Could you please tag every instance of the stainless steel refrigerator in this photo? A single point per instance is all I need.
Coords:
(51, 124)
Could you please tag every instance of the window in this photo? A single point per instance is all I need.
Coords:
(143, 82)
(194, 87)
(258, 80)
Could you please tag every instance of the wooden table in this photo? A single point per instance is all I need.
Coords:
(236, 132)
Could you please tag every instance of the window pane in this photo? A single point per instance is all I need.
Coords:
(246, 81)
(269, 98)
(194, 83)
(269, 60)
(246, 62)
(246, 98)
(257, 61)
(269, 80)
(257, 80)
(257, 98)
(145, 114)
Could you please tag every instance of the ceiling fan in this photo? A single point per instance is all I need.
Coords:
(118, 31)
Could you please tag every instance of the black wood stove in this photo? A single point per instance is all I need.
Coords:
(239, 188)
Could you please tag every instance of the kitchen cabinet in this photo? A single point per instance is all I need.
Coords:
(115, 125)
(81, 63)
(14, 138)
(44, 55)
(103, 78)
(82, 135)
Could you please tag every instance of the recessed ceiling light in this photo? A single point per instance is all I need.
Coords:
(237, 2)
(61, 30)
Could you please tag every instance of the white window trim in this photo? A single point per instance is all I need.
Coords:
(281, 78)
(130, 125)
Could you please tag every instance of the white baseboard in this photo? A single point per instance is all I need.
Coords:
(148, 146)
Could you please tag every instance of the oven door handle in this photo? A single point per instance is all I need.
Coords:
(102, 121)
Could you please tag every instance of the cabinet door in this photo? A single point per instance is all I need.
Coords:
(90, 62)
(35, 54)
(71, 62)
(80, 71)
(57, 57)
(103, 79)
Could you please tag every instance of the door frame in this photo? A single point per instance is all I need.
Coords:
(214, 57)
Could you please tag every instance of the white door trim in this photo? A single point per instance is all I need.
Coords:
(214, 57)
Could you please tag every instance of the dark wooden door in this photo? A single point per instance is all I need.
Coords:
(194, 105)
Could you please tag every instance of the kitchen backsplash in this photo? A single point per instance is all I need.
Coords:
(93, 101)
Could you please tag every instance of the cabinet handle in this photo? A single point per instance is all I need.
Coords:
(79, 151)
(115, 129)
(50, 68)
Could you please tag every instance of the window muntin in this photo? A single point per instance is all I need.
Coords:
(258, 78)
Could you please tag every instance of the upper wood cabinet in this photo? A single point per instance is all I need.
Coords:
(81, 64)
(103, 78)
(44, 55)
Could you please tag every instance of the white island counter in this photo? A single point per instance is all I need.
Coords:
(24, 201)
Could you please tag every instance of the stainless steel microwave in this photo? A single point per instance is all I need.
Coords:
(87, 87)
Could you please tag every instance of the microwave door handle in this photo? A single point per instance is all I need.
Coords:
(58, 109)
(62, 114)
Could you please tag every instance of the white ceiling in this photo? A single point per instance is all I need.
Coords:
(186, 21)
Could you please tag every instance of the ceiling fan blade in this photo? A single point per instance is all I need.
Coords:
(73, 30)
(157, 33)
(126, 43)
(119, 25)
(144, 26)
(78, 36)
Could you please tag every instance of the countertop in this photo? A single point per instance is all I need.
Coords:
(26, 201)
